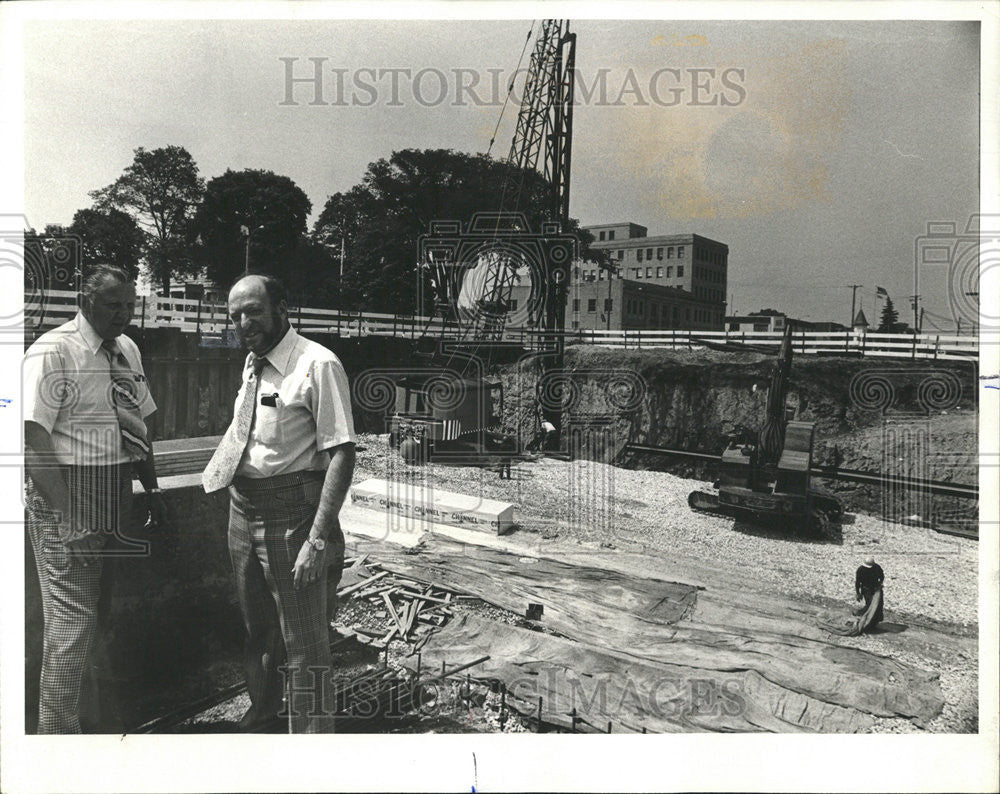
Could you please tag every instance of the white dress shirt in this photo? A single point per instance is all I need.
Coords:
(303, 409)
(66, 388)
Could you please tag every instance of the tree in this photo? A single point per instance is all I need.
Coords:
(51, 260)
(889, 322)
(255, 217)
(110, 237)
(380, 220)
(160, 190)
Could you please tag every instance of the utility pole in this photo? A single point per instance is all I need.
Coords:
(854, 291)
(915, 302)
(607, 306)
(246, 260)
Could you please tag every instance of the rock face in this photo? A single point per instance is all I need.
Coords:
(895, 416)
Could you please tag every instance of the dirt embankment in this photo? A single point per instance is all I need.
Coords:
(915, 418)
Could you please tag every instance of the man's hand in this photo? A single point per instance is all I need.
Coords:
(159, 514)
(84, 550)
(309, 566)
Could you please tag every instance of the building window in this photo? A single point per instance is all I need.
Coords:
(638, 254)
(637, 272)
(620, 272)
(649, 253)
(670, 252)
(680, 252)
(621, 254)
(576, 304)
(659, 272)
(608, 303)
(600, 274)
(649, 272)
(611, 235)
(592, 305)
(680, 271)
(602, 235)
(659, 253)
(512, 306)
(670, 271)
(576, 324)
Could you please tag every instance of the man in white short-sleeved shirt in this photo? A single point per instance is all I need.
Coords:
(85, 406)
(287, 459)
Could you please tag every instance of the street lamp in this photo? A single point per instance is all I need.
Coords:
(247, 231)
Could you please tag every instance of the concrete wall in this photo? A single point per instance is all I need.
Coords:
(175, 629)
(194, 387)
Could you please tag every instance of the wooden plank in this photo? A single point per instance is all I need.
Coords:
(392, 611)
(359, 585)
(425, 596)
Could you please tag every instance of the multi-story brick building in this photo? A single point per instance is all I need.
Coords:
(667, 281)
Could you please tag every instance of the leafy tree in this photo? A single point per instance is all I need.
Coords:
(252, 218)
(160, 190)
(109, 236)
(381, 219)
(51, 259)
(309, 273)
(889, 322)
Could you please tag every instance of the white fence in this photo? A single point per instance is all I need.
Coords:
(193, 316)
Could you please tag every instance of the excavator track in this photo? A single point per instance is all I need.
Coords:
(708, 504)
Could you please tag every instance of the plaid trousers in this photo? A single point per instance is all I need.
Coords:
(75, 598)
(269, 520)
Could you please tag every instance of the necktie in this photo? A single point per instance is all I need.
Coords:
(222, 467)
(123, 394)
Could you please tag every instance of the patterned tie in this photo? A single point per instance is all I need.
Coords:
(222, 467)
(123, 394)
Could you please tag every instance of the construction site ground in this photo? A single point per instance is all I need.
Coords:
(931, 587)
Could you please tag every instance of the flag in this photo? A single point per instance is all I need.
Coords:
(881, 293)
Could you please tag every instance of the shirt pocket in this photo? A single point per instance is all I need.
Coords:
(270, 427)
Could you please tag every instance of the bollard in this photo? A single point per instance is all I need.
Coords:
(539, 714)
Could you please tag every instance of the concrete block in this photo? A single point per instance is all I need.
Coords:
(434, 505)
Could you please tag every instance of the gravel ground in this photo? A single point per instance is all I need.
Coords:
(927, 573)
(930, 578)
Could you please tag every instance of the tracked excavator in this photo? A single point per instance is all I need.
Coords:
(765, 477)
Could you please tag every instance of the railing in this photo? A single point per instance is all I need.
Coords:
(194, 316)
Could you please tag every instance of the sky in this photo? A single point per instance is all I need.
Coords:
(817, 151)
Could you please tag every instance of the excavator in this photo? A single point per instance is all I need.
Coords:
(765, 477)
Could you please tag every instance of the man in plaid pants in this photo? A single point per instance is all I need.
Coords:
(287, 459)
(86, 402)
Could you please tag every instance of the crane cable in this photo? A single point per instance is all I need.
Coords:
(510, 88)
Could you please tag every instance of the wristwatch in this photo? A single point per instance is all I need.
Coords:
(317, 543)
